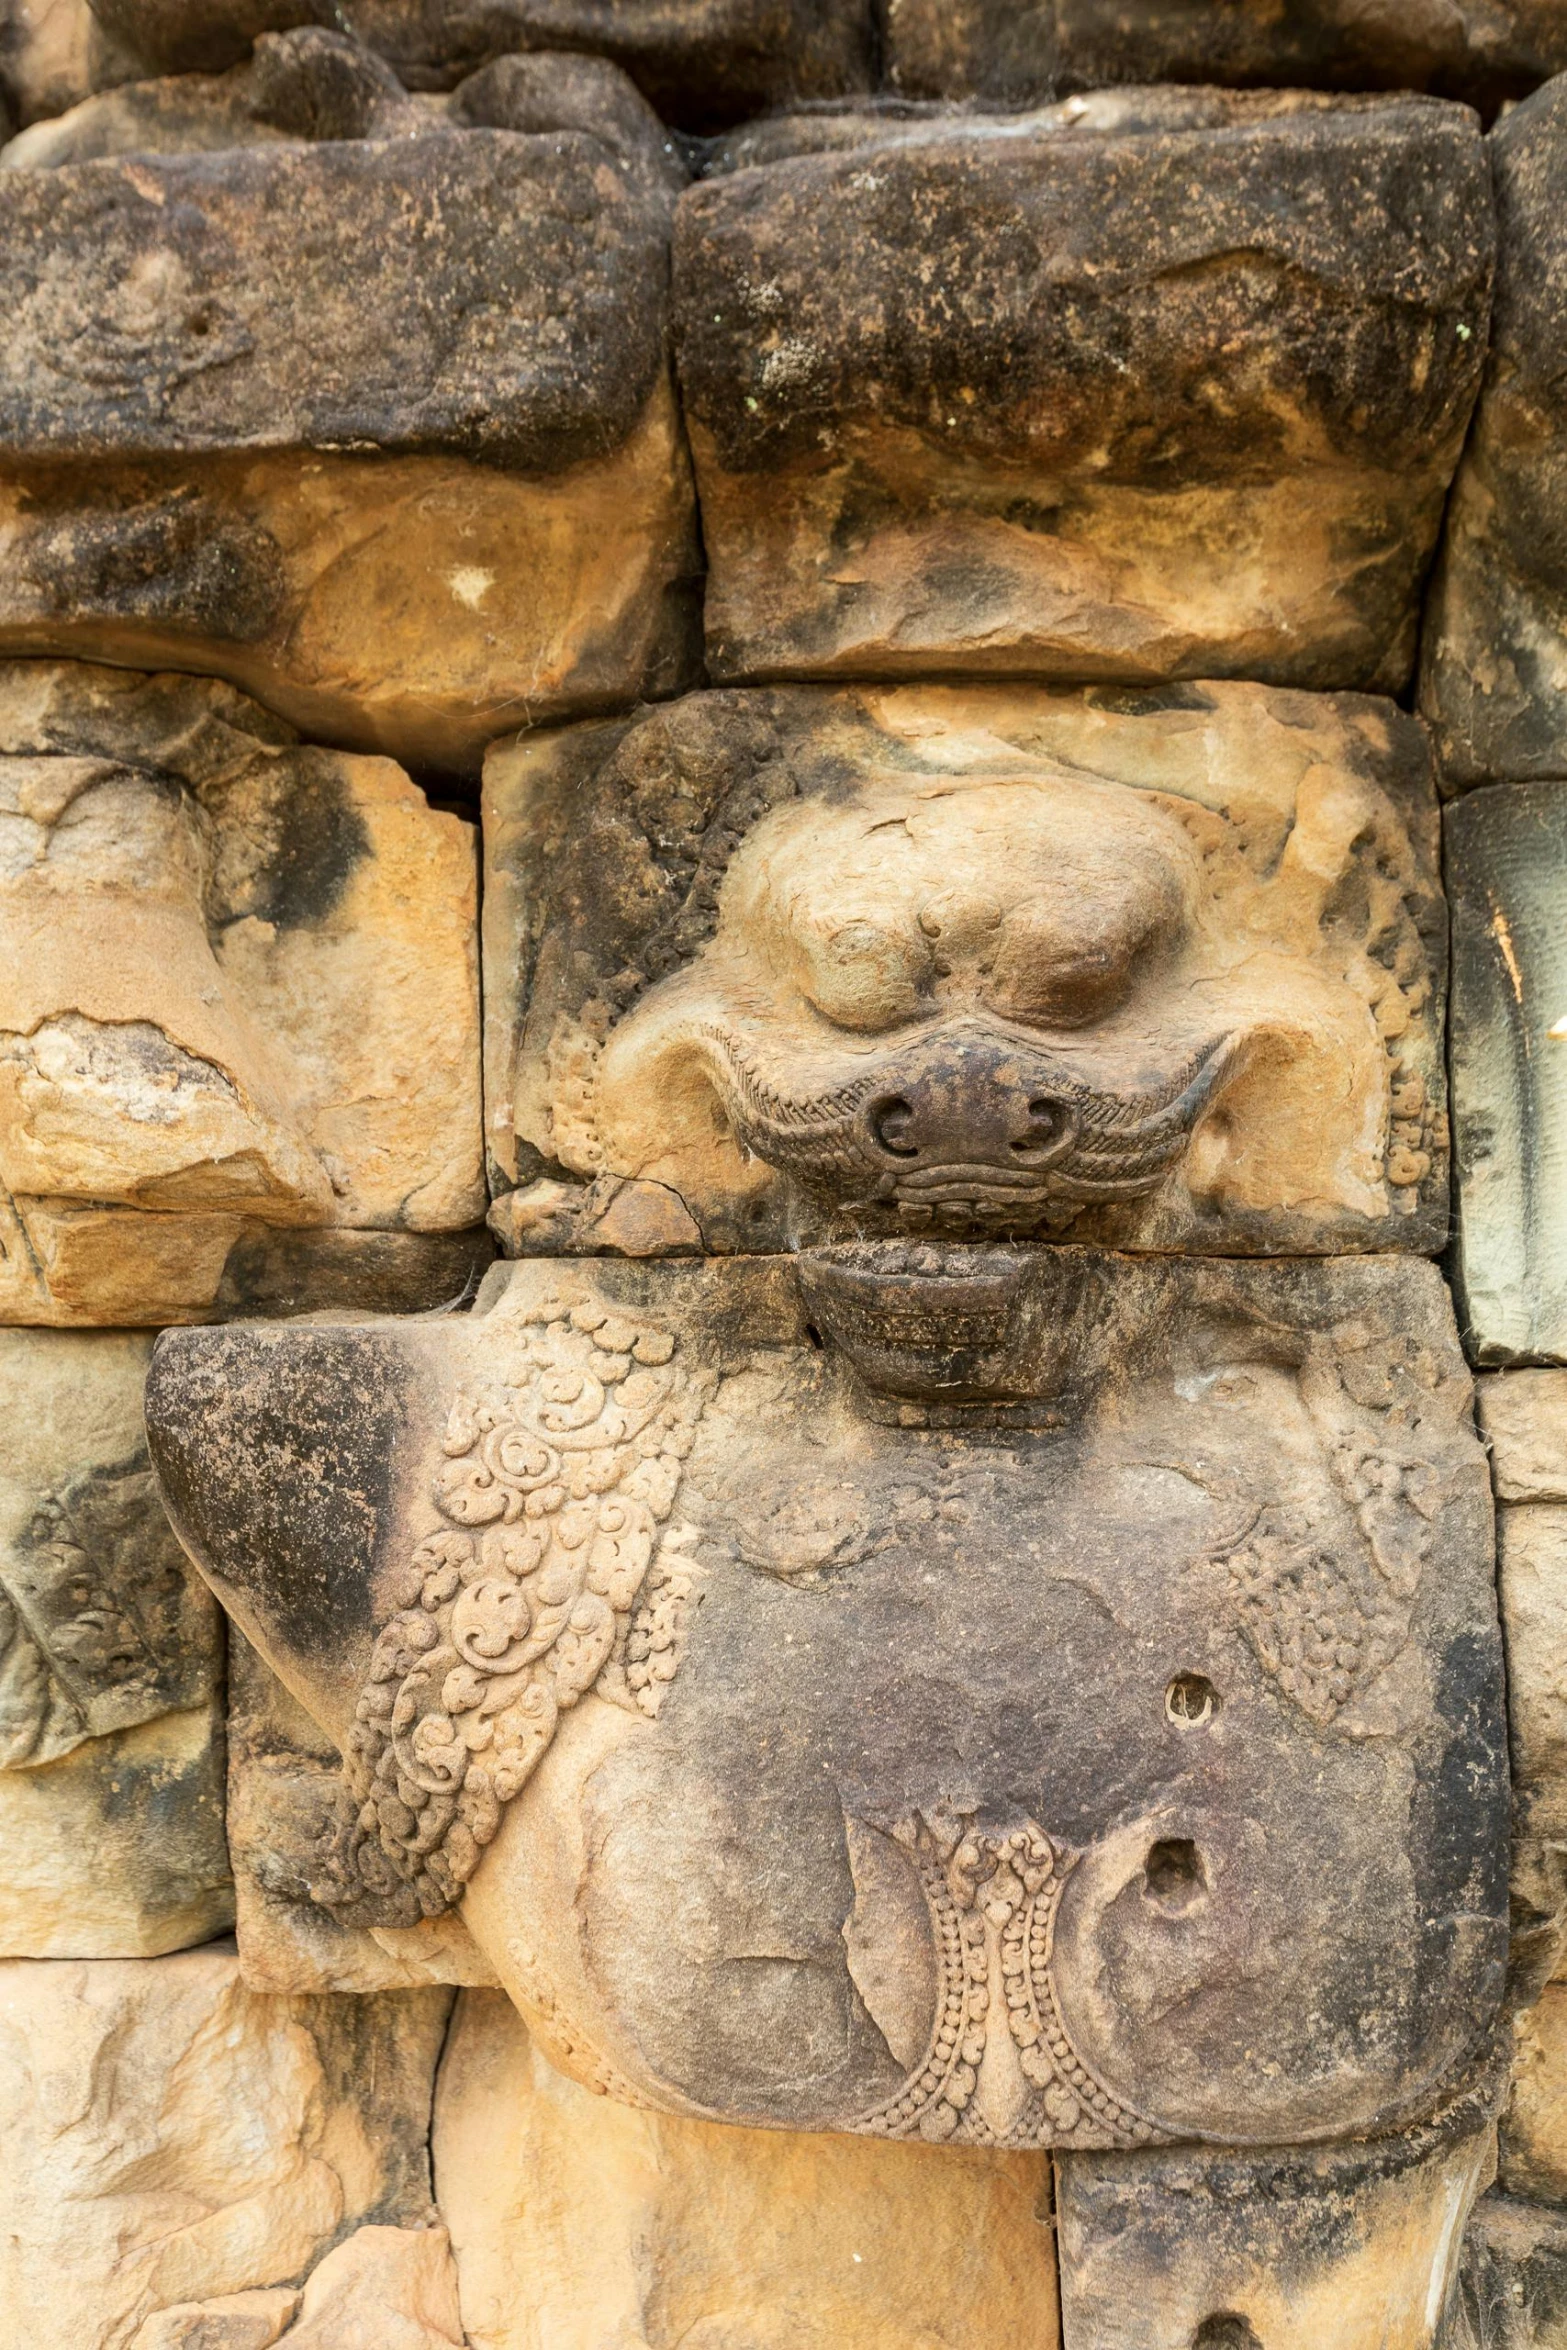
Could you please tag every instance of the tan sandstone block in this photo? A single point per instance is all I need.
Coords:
(1534, 2126)
(385, 437)
(1523, 1417)
(385, 2289)
(238, 990)
(111, 1661)
(174, 2138)
(234, 2321)
(577, 2222)
(1158, 970)
(1156, 385)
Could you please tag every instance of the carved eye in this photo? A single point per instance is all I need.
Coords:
(862, 973)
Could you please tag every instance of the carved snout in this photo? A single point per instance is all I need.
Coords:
(963, 1103)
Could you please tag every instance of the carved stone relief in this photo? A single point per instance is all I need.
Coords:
(111, 1665)
(1172, 391)
(1507, 874)
(858, 1697)
(1163, 970)
(239, 997)
(409, 489)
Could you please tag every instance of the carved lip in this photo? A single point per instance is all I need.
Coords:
(921, 1322)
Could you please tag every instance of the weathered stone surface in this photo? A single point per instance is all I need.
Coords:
(45, 55)
(111, 1660)
(385, 2289)
(1507, 877)
(1162, 970)
(1494, 677)
(1024, 1634)
(377, 429)
(233, 2321)
(284, 1774)
(1523, 1418)
(173, 2138)
(1358, 2248)
(1534, 2127)
(198, 36)
(1014, 52)
(577, 2221)
(1512, 2283)
(1038, 397)
(238, 991)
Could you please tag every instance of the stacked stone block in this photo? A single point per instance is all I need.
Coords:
(957, 592)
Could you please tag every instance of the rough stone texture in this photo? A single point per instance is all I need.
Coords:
(1507, 877)
(284, 1774)
(1523, 1418)
(577, 2221)
(1356, 2249)
(1159, 969)
(1027, 1634)
(1512, 2283)
(1494, 677)
(111, 1660)
(377, 429)
(385, 2289)
(240, 991)
(1179, 398)
(173, 2138)
(1533, 2150)
(1012, 52)
(45, 56)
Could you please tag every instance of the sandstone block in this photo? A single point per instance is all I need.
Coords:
(1016, 52)
(378, 429)
(1512, 2285)
(1494, 681)
(1173, 390)
(1523, 1417)
(1507, 875)
(865, 1691)
(45, 55)
(1534, 2126)
(173, 2138)
(384, 2289)
(577, 2221)
(239, 997)
(111, 1663)
(1161, 970)
(1357, 2248)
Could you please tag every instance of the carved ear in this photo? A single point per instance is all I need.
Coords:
(276, 1449)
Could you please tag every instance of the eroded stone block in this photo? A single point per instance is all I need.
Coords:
(1016, 52)
(174, 2138)
(1161, 970)
(378, 428)
(1173, 389)
(577, 2221)
(1533, 2150)
(1512, 2285)
(866, 1691)
(1494, 680)
(238, 998)
(1507, 879)
(111, 1664)
(1357, 2248)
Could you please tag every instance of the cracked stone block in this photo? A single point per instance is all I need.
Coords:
(111, 1667)
(1160, 969)
(1507, 880)
(377, 428)
(1017, 52)
(239, 1026)
(1168, 386)
(1512, 2285)
(174, 2138)
(867, 1690)
(577, 2221)
(1533, 2134)
(1494, 675)
(1357, 2247)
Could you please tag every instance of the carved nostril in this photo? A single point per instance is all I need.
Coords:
(1226, 2330)
(1045, 1121)
(892, 1123)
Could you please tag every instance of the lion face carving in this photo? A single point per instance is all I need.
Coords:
(932, 979)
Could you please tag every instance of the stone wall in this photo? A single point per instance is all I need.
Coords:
(783, 1098)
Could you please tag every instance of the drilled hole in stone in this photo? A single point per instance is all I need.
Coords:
(891, 1123)
(1173, 1876)
(1226, 2330)
(1191, 1700)
(813, 1336)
